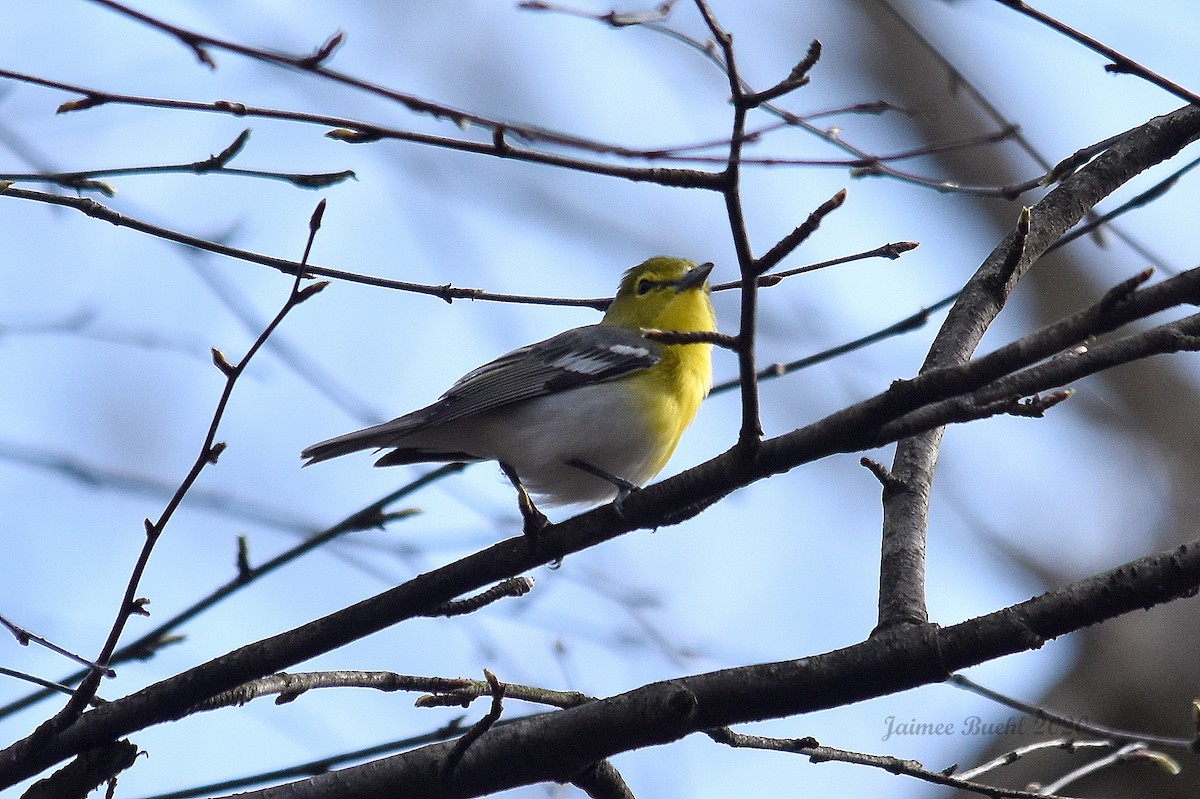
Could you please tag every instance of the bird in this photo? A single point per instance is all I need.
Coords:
(581, 418)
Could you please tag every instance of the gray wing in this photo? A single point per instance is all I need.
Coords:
(577, 357)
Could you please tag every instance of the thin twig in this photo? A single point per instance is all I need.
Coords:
(1139, 201)
(1128, 752)
(512, 587)
(909, 323)
(791, 241)
(467, 691)
(373, 515)
(751, 427)
(327, 763)
(25, 638)
(214, 164)
(355, 131)
(50, 685)
(890, 251)
(287, 687)
(445, 292)
(1069, 722)
(455, 755)
(210, 450)
(1012, 756)
(1120, 62)
(723, 340)
(861, 162)
(817, 753)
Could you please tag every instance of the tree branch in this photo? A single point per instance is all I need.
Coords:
(547, 747)
(901, 584)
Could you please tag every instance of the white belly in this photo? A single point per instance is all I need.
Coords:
(589, 424)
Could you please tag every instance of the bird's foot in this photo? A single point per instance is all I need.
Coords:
(622, 495)
(534, 520)
(624, 487)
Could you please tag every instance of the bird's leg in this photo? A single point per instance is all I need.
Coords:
(624, 487)
(535, 520)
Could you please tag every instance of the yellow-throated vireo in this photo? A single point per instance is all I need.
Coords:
(582, 417)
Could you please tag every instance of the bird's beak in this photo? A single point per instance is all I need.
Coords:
(694, 277)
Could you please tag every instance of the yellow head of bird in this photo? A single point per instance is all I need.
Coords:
(664, 294)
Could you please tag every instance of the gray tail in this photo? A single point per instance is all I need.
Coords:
(381, 435)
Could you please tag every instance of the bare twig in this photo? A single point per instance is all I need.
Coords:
(25, 638)
(1128, 752)
(1010, 757)
(617, 19)
(862, 162)
(312, 63)
(1139, 201)
(229, 289)
(373, 515)
(751, 427)
(792, 240)
(697, 337)
(909, 323)
(512, 587)
(289, 687)
(455, 755)
(445, 292)
(50, 685)
(1070, 722)
(817, 753)
(796, 78)
(1120, 62)
(999, 396)
(214, 164)
(882, 474)
(355, 131)
(210, 449)
(467, 691)
(1052, 173)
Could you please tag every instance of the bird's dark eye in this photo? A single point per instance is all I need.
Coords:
(644, 285)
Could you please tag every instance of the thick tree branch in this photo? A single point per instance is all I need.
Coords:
(901, 583)
(555, 746)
